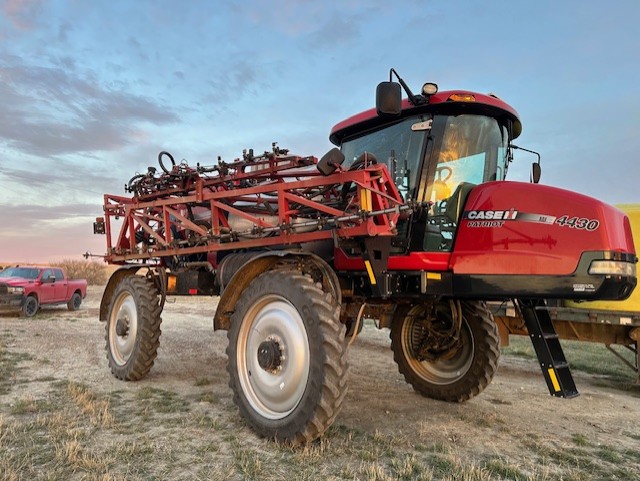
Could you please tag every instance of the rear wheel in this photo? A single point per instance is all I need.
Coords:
(133, 328)
(287, 357)
(440, 360)
(75, 302)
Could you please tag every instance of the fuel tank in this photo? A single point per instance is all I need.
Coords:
(528, 239)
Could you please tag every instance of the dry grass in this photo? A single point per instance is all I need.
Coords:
(94, 272)
(68, 430)
(98, 410)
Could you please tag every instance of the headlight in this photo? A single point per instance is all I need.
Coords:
(15, 290)
(613, 268)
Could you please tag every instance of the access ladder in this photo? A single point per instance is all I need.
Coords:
(548, 349)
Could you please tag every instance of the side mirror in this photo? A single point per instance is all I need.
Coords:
(330, 161)
(389, 98)
(536, 172)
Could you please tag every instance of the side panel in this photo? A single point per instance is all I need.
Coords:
(414, 261)
(529, 229)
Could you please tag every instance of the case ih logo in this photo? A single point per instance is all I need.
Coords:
(496, 218)
(491, 214)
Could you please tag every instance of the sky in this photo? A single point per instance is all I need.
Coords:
(91, 91)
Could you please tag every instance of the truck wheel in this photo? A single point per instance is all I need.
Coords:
(75, 302)
(133, 328)
(30, 306)
(461, 372)
(287, 357)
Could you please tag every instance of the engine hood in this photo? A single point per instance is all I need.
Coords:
(15, 281)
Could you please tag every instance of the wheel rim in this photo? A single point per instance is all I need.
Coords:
(273, 384)
(31, 307)
(123, 328)
(441, 372)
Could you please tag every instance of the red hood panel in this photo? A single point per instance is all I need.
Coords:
(521, 228)
(15, 281)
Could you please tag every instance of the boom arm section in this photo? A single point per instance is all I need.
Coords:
(280, 202)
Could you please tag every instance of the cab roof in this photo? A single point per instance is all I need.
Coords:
(441, 102)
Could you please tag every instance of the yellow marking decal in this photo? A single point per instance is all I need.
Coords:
(172, 283)
(434, 276)
(554, 379)
(372, 278)
(365, 200)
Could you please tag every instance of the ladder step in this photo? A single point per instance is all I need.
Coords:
(558, 366)
(546, 343)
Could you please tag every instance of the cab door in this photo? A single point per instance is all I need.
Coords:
(47, 286)
(61, 285)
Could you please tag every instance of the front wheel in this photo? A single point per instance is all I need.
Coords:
(440, 360)
(287, 357)
(30, 306)
(133, 328)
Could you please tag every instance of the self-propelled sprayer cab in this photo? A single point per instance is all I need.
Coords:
(434, 145)
(480, 236)
(433, 142)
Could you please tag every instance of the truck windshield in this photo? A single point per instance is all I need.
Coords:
(24, 272)
(399, 146)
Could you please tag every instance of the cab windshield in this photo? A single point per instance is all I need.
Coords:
(467, 148)
(23, 272)
(399, 146)
(437, 158)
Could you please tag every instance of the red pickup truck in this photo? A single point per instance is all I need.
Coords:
(27, 288)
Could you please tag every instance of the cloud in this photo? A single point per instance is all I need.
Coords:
(59, 179)
(22, 13)
(26, 216)
(335, 31)
(41, 231)
(58, 110)
(236, 81)
(54, 234)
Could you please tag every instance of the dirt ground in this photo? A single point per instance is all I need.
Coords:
(515, 407)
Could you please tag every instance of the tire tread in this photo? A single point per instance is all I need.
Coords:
(145, 350)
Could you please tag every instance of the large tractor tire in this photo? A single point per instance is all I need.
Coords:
(457, 373)
(287, 357)
(133, 328)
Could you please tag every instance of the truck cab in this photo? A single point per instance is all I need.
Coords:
(26, 288)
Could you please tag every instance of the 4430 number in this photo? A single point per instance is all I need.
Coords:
(578, 223)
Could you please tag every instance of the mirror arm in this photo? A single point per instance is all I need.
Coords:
(536, 168)
(414, 99)
(513, 146)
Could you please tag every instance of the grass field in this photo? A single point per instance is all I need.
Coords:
(71, 431)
